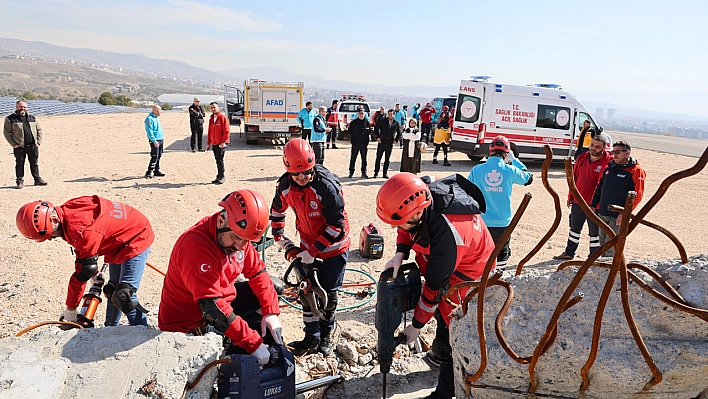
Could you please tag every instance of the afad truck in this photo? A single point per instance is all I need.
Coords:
(268, 109)
(529, 116)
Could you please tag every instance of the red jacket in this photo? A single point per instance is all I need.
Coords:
(200, 269)
(219, 130)
(332, 117)
(449, 249)
(95, 226)
(426, 115)
(587, 174)
(320, 217)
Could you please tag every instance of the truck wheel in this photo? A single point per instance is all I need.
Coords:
(252, 141)
(475, 158)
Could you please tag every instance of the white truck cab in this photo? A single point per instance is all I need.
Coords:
(529, 116)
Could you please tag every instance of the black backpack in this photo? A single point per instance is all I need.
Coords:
(456, 195)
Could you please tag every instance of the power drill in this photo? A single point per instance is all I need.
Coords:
(91, 300)
(394, 298)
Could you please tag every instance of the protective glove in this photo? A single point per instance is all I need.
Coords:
(272, 323)
(262, 354)
(306, 258)
(395, 263)
(411, 334)
(68, 315)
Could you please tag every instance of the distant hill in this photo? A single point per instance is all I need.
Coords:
(135, 62)
(279, 74)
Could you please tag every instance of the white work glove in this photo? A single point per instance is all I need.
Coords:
(272, 323)
(68, 315)
(262, 355)
(306, 258)
(395, 263)
(411, 334)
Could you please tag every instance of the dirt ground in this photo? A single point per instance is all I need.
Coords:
(107, 155)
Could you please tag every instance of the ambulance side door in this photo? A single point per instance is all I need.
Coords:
(468, 112)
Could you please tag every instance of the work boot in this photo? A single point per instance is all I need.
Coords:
(193, 150)
(364, 175)
(435, 395)
(158, 173)
(376, 175)
(351, 175)
(40, 182)
(219, 180)
(326, 344)
(385, 176)
(435, 161)
(20, 184)
(334, 147)
(308, 345)
(148, 175)
(328, 146)
(563, 256)
(446, 163)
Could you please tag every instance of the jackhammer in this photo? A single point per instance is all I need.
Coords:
(394, 298)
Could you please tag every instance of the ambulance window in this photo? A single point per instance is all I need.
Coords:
(553, 117)
(468, 109)
(585, 117)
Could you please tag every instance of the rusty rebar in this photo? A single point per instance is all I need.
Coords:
(617, 263)
(664, 186)
(466, 284)
(667, 233)
(556, 201)
(557, 312)
(483, 285)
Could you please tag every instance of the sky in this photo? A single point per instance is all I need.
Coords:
(646, 46)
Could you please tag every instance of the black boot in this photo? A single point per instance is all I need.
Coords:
(326, 344)
(308, 345)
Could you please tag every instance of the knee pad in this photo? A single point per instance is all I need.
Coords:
(88, 268)
(442, 350)
(212, 314)
(109, 289)
(122, 297)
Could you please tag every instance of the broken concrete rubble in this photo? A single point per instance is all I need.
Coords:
(117, 362)
(677, 341)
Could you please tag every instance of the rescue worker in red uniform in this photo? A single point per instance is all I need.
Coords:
(94, 227)
(441, 222)
(426, 122)
(315, 195)
(200, 293)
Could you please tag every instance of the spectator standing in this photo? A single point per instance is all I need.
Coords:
(306, 116)
(399, 115)
(389, 132)
(196, 124)
(218, 139)
(621, 175)
(410, 160)
(416, 114)
(380, 114)
(333, 122)
(442, 135)
(315, 195)
(496, 178)
(426, 122)
(201, 293)
(94, 227)
(319, 135)
(24, 134)
(359, 138)
(157, 141)
(586, 172)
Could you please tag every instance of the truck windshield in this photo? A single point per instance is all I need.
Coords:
(353, 107)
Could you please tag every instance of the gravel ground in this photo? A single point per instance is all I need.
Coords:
(108, 154)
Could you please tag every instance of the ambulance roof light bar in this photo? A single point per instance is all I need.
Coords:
(482, 79)
(549, 86)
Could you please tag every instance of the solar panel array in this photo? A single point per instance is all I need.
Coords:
(55, 107)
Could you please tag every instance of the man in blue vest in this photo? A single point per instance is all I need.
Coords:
(306, 116)
(495, 178)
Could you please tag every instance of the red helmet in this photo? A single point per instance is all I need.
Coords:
(445, 108)
(247, 213)
(500, 143)
(33, 220)
(298, 156)
(400, 197)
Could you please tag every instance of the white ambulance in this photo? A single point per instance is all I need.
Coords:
(268, 109)
(529, 116)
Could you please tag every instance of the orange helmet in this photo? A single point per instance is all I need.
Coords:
(247, 213)
(298, 156)
(33, 220)
(500, 143)
(400, 197)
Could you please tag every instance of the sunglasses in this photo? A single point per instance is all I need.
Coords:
(305, 173)
(617, 152)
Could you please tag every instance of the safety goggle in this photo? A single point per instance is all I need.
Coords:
(305, 173)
